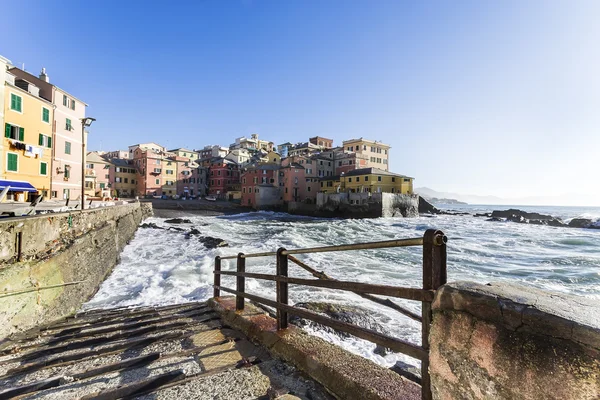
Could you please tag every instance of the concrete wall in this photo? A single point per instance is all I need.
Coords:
(502, 341)
(366, 205)
(57, 249)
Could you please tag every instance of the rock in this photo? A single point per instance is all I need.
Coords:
(173, 228)
(212, 242)
(514, 215)
(580, 223)
(345, 313)
(150, 225)
(408, 371)
(178, 221)
(194, 231)
(483, 215)
(496, 219)
(426, 207)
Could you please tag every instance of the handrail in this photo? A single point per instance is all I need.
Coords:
(392, 291)
(434, 276)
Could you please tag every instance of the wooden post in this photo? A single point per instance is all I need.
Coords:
(241, 282)
(282, 288)
(217, 277)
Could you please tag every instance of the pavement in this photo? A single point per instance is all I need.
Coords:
(182, 351)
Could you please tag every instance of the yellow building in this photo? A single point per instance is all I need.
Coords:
(169, 177)
(377, 154)
(373, 180)
(26, 146)
(181, 152)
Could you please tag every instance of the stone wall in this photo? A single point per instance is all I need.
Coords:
(503, 341)
(57, 249)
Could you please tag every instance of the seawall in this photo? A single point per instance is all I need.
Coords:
(55, 249)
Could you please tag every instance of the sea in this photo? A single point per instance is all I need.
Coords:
(160, 267)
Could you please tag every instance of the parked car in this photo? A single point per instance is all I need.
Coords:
(211, 198)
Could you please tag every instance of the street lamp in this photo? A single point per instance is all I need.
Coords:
(85, 122)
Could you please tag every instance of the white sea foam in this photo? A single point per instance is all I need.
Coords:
(164, 267)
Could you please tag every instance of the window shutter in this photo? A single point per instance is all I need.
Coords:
(41, 140)
(43, 167)
(13, 102)
(7, 130)
(12, 162)
(19, 104)
(21, 134)
(49, 142)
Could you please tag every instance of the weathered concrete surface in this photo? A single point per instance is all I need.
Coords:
(58, 249)
(345, 375)
(170, 352)
(503, 341)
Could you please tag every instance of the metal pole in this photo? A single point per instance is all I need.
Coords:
(82, 164)
(241, 282)
(428, 245)
(217, 277)
(282, 288)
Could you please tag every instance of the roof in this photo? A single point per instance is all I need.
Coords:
(373, 171)
(119, 162)
(95, 157)
(265, 166)
(182, 149)
(365, 140)
(294, 165)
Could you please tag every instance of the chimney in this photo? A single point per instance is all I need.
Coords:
(43, 76)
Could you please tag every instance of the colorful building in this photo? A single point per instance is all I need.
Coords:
(123, 178)
(372, 180)
(67, 151)
(224, 176)
(101, 170)
(376, 153)
(256, 178)
(26, 146)
(292, 179)
(322, 142)
(148, 163)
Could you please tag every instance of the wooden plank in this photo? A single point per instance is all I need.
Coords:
(137, 388)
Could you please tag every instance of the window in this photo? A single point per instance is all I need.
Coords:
(406, 179)
(157, 170)
(65, 100)
(45, 141)
(67, 147)
(66, 193)
(125, 180)
(339, 164)
(89, 166)
(158, 181)
(364, 147)
(243, 190)
(118, 179)
(45, 115)
(43, 168)
(67, 171)
(349, 179)
(308, 188)
(68, 125)
(378, 179)
(107, 176)
(385, 160)
(16, 103)
(393, 179)
(250, 190)
(14, 132)
(366, 178)
(12, 162)
(54, 194)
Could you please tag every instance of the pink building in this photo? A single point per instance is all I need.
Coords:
(149, 166)
(292, 179)
(224, 175)
(187, 177)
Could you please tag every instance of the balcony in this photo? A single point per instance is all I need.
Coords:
(156, 171)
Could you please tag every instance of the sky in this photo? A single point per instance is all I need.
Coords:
(494, 98)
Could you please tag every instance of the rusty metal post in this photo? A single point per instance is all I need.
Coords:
(20, 246)
(282, 288)
(434, 276)
(241, 282)
(217, 277)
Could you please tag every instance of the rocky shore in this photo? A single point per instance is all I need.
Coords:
(514, 215)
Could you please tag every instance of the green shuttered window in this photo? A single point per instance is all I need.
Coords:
(16, 103)
(12, 164)
(43, 168)
(67, 147)
(45, 115)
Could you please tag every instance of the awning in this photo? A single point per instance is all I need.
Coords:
(17, 186)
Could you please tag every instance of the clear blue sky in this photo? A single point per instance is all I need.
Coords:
(485, 97)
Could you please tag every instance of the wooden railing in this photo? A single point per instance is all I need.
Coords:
(434, 276)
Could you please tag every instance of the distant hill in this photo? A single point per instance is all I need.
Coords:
(571, 199)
